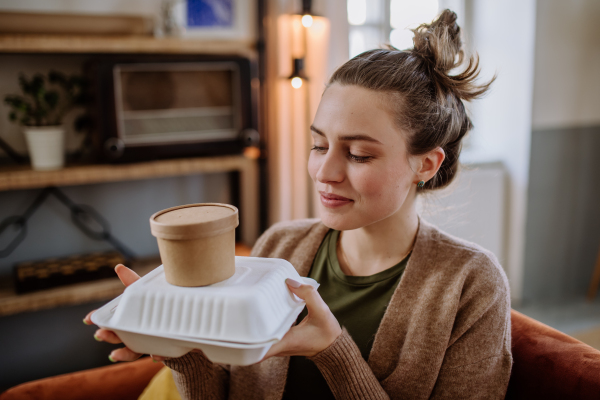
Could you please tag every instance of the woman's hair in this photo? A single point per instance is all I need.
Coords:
(427, 102)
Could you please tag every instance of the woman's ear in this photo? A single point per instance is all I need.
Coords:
(430, 163)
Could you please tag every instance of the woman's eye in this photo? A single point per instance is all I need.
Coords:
(359, 159)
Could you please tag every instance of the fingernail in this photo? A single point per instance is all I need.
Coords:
(97, 338)
(85, 322)
(154, 361)
(293, 283)
(111, 358)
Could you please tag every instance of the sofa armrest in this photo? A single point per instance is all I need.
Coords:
(549, 364)
(125, 381)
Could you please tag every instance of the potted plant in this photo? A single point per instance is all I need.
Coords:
(40, 110)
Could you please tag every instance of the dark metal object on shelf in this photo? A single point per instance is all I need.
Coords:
(82, 216)
(46, 274)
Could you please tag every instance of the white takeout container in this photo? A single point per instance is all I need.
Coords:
(235, 321)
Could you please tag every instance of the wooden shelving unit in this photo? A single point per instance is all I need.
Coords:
(30, 43)
(23, 177)
(81, 293)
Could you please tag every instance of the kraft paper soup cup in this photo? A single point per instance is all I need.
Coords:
(196, 242)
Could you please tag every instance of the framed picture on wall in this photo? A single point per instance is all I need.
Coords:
(218, 19)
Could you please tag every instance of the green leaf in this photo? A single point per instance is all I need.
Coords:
(12, 116)
(14, 101)
(57, 77)
(24, 83)
(37, 84)
(51, 98)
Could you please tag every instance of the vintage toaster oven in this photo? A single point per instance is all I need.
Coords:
(150, 107)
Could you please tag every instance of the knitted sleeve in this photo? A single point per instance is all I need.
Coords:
(478, 358)
(196, 377)
(346, 372)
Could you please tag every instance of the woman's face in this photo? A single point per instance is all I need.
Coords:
(359, 163)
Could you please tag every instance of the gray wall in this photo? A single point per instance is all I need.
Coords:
(563, 215)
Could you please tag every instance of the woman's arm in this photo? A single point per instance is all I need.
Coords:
(346, 372)
(320, 338)
(197, 377)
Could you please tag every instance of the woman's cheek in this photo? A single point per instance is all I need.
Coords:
(370, 182)
(313, 166)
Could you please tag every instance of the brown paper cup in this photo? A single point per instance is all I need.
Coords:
(196, 242)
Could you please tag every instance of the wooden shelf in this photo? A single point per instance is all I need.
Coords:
(84, 44)
(23, 177)
(81, 293)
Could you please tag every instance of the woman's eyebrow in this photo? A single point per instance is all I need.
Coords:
(366, 138)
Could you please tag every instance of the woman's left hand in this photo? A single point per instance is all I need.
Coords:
(315, 333)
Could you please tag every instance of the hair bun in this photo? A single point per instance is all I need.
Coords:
(439, 44)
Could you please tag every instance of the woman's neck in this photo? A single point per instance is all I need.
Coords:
(374, 248)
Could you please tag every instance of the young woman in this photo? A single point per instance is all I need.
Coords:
(404, 311)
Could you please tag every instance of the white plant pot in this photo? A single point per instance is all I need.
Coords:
(46, 146)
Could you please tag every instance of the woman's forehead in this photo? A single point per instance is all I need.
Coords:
(350, 109)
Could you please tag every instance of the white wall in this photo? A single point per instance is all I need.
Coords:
(567, 64)
(472, 207)
(503, 33)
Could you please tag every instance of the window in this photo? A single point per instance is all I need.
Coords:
(376, 22)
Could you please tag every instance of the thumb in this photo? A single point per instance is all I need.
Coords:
(314, 303)
(126, 275)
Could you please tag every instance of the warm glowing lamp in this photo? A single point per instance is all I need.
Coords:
(307, 14)
(307, 20)
(297, 77)
(296, 82)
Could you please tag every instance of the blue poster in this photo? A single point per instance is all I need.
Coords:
(210, 13)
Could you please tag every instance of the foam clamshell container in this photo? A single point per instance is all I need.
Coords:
(235, 321)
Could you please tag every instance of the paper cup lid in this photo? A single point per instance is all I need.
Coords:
(194, 221)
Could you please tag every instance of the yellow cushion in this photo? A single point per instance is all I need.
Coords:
(161, 387)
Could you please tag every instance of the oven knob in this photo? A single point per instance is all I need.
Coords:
(114, 147)
(250, 137)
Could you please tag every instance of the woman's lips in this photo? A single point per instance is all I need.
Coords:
(332, 200)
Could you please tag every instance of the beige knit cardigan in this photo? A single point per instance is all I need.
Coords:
(444, 335)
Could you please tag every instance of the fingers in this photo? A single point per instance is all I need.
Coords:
(274, 350)
(126, 275)
(88, 318)
(123, 354)
(315, 304)
(104, 335)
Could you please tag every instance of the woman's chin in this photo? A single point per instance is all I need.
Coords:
(339, 222)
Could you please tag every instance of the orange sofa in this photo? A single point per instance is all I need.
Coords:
(547, 365)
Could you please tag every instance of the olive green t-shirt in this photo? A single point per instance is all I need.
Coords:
(358, 303)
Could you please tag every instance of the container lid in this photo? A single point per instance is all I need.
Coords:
(253, 306)
(194, 221)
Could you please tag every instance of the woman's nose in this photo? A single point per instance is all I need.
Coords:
(331, 169)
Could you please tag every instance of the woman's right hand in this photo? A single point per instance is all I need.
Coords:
(127, 276)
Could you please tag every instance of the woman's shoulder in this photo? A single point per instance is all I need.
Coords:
(283, 237)
(460, 257)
